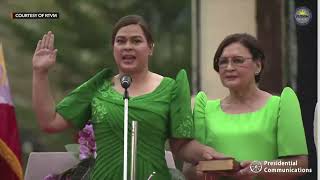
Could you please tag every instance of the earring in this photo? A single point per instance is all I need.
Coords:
(257, 73)
(152, 46)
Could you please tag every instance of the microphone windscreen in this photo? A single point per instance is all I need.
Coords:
(125, 81)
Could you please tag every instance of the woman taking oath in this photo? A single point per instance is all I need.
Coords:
(161, 105)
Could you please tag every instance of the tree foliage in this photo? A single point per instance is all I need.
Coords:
(83, 35)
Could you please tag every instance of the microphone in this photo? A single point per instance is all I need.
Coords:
(125, 81)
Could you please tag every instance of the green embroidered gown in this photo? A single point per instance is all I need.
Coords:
(161, 114)
(274, 131)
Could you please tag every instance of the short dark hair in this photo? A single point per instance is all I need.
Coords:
(133, 19)
(247, 41)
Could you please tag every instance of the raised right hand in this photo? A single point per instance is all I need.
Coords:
(45, 54)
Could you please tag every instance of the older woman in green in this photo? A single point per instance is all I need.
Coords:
(250, 124)
(161, 105)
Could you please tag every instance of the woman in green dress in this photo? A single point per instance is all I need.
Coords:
(250, 124)
(161, 105)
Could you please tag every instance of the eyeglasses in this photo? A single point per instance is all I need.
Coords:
(236, 61)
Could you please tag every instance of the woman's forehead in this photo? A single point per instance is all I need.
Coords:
(235, 48)
(130, 30)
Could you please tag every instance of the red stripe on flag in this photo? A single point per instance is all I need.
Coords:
(9, 134)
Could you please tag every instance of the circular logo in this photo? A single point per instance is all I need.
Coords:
(256, 166)
(303, 15)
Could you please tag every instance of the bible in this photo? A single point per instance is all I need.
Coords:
(219, 165)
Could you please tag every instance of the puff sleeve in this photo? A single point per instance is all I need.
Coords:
(181, 122)
(290, 133)
(199, 117)
(76, 106)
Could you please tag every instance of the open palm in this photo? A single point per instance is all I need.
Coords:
(45, 55)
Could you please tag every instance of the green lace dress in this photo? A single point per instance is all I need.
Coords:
(273, 131)
(161, 114)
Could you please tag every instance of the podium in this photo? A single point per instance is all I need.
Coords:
(41, 164)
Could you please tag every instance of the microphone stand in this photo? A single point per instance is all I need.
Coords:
(125, 83)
